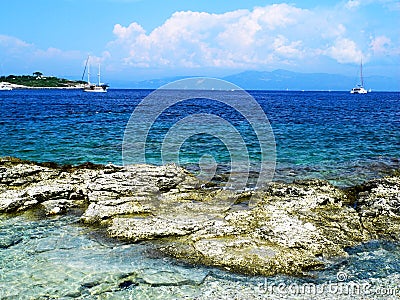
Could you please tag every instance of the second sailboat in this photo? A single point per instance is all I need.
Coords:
(92, 87)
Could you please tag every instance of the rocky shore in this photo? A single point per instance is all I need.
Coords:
(280, 229)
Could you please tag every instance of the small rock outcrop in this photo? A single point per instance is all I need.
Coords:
(378, 205)
(281, 228)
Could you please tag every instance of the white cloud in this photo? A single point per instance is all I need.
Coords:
(352, 4)
(334, 31)
(18, 48)
(344, 51)
(393, 5)
(20, 57)
(13, 46)
(381, 45)
(237, 39)
(55, 53)
(287, 49)
(273, 36)
(264, 37)
(124, 33)
(278, 15)
(10, 41)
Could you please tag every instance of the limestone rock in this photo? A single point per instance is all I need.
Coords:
(148, 228)
(280, 228)
(100, 213)
(378, 203)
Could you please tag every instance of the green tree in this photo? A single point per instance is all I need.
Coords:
(37, 74)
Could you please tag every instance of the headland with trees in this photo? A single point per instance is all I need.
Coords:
(38, 80)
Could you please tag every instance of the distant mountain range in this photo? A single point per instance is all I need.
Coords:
(287, 80)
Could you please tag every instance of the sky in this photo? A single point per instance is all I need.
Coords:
(144, 39)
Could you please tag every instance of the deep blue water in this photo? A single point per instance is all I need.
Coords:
(331, 135)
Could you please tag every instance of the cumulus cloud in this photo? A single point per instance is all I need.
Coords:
(287, 49)
(262, 37)
(198, 39)
(268, 37)
(344, 51)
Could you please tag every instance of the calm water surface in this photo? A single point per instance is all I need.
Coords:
(336, 136)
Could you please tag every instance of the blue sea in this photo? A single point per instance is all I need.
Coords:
(336, 136)
(343, 138)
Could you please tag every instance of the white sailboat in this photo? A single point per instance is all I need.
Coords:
(359, 89)
(92, 87)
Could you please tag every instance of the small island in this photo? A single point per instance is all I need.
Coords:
(37, 80)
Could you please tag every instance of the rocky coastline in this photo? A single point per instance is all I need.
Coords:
(279, 229)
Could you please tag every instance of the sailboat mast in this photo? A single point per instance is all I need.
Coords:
(98, 75)
(361, 74)
(84, 70)
(88, 74)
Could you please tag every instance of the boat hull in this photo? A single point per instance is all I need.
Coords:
(96, 89)
(5, 86)
(358, 90)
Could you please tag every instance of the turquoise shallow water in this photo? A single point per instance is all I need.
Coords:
(56, 258)
(331, 135)
(336, 136)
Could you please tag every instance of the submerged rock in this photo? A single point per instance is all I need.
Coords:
(9, 241)
(281, 228)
